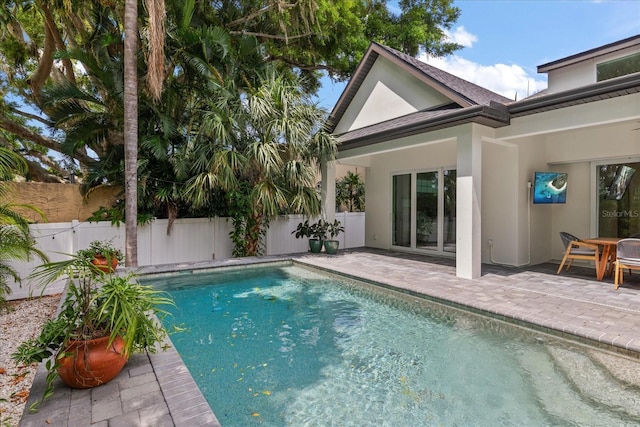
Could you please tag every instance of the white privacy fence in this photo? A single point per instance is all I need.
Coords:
(191, 240)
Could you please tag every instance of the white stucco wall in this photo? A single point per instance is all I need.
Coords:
(593, 143)
(582, 73)
(574, 216)
(500, 203)
(387, 93)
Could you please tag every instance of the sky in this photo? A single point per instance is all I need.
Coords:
(506, 40)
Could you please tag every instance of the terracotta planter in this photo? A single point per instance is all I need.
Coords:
(91, 362)
(103, 264)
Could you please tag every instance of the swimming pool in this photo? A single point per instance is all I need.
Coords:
(288, 346)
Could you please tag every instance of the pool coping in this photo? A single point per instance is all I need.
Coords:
(579, 336)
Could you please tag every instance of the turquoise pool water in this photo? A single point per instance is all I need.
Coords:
(286, 346)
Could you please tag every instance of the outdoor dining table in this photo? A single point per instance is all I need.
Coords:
(609, 247)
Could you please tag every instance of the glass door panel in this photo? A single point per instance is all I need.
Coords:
(618, 199)
(449, 210)
(401, 210)
(427, 210)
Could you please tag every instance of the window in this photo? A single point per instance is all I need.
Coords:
(618, 67)
(618, 199)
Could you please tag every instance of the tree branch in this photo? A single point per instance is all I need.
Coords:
(45, 160)
(270, 36)
(259, 12)
(306, 67)
(30, 116)
(59, 43)
(44, 64)
(26, 133)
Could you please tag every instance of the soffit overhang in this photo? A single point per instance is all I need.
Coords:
(607, 89)
(590, 54)
(494, 116)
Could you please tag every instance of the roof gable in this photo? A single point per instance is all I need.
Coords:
(453, 91)
(387, 93)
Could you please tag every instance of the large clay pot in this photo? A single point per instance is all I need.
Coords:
(103, 264)
(91, 363)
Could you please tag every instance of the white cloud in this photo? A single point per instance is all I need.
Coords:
(507, 80)
(461, 37)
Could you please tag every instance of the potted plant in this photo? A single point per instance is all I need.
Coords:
(315, 232)
(333, 228)
(102, 254)
(319, 234)
(103, 318)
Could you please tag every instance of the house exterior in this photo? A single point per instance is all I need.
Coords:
(451, 166)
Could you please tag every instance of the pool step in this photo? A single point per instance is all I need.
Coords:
(608, 381)
(588, 396)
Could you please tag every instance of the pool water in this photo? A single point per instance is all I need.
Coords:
(287, 346)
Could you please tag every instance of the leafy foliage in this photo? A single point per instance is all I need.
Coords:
(97, 304)
(16, 244)
(100, 248)
(234, 108)
(350, 192)
(334, 228)
(248, 229)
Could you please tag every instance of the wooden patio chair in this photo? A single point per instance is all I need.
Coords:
(627, 256)
(577, 249)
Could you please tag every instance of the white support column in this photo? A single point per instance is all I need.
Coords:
(468, 205)
(328, 191)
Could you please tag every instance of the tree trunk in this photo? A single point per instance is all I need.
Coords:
(131, 131)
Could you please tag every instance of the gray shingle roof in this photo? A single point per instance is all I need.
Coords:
(475, 94)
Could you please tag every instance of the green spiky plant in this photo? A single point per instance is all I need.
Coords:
(16, 243)
(97, 304)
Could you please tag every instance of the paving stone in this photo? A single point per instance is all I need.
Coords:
(185, 416)
(133, 401)
(150, 411)
(106, 408)
(140, 369)
(105, 391)
(129, 419)
(138, 380)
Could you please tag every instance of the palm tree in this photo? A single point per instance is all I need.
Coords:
(16, 243)
(350, 192)
(131, 131)
(262, 145)
(155, 77)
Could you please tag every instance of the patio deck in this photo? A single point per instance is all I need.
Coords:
(157, 390)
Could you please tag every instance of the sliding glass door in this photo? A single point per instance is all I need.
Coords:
(449, 210)
(424, 210)
(401, 210)
(427, 210)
